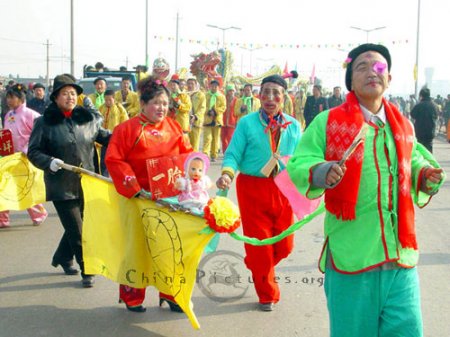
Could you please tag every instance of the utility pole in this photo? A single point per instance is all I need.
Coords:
(416, 67)
(176, 42)
(146, 33)
(47, 75)
(126, 62)
(72, 43)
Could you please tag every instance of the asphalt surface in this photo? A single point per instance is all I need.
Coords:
(38, 300)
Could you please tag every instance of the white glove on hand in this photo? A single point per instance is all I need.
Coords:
(55, 164)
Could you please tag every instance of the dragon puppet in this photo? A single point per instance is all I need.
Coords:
(216, 65)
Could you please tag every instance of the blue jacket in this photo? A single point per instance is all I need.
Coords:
(250, 147)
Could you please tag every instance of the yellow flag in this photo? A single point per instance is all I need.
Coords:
(415, 72)
(139, 243)
(21, 184)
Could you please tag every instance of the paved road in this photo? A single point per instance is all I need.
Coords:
(38, 300)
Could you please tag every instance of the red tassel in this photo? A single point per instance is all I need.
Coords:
(342, 210)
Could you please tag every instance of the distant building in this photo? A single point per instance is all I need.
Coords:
(440, 87)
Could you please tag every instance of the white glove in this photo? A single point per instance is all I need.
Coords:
(55, 164)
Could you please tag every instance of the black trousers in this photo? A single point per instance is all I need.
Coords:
(427, 142)
(70, 213)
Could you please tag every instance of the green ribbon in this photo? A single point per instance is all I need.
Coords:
(212, 100)
(248, 102)
(99, 100)
(274, 239)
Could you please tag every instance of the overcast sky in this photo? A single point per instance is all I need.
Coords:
(113, 31)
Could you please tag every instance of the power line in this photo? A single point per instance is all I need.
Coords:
(19, 41)
(25, 62)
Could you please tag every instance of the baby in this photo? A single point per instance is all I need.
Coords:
(194, 185)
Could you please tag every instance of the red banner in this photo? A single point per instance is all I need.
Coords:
(6, 143)
(162, 174)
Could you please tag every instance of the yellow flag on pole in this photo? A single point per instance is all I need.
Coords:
(21, 184)
(139, 243)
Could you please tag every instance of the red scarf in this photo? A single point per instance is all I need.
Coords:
(344, 123)
(67, 114)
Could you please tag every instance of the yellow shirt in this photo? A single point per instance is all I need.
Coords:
(288, 106)
(113, 116)
(256, 104)
(131, 104)
(182, 112)
(219, 107)
(198, 100)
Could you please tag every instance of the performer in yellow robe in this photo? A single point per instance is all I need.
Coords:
(216, 105)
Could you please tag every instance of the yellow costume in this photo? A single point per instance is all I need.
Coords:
(183, 110)
(213, 122)
(198, 101)
(113, 116)
(131, 102)
(288, 106)
(256, 104)
(299, 108)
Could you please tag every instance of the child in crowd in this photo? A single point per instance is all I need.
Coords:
(20, 121)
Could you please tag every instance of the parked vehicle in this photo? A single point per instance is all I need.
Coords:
(88, 86)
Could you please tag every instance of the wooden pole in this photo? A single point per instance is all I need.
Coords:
(80, 170)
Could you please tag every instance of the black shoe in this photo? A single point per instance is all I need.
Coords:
(173, 306)
(136, 308)
(68, 269)
(88, 281)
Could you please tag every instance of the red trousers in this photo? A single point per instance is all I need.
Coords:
(133, 297)
(227, 133)
(265, 212)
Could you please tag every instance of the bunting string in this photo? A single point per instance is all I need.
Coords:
(258, 45)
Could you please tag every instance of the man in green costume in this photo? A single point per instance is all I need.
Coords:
(370, 251)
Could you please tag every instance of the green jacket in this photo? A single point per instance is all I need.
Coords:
(372, 238)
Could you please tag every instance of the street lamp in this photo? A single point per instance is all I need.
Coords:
(265, 60)
(251, 53)
(223, 29)
(146, 33)
(367, 30)
(72, 42)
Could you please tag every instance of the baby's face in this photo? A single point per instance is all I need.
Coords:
(196, 169)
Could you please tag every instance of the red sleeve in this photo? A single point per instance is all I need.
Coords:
(184, 145)
(121, 172)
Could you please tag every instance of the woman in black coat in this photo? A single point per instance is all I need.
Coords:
(66, 134)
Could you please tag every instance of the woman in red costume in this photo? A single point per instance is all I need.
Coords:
(148, 135)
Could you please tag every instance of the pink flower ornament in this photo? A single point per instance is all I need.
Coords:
(347, 61)
(159, 82)
(379, 67)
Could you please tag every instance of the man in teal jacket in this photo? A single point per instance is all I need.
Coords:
(370, 250)
(259, 141)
